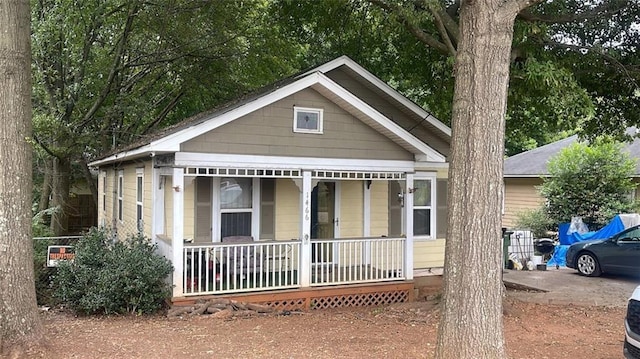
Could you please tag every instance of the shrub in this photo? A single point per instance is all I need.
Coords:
(590, 181)
(535, 220)
(114, 277)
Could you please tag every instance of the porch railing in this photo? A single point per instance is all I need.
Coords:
(240, 267)
(258, 266)
(357, 260)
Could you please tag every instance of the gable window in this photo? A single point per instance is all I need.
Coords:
(423, 206)
(139, 197)
(120, 194)
(307, 120)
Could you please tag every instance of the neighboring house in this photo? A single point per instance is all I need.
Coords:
(327, 178)
(523, 174)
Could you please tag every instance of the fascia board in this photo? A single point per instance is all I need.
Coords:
(380, 118)
(344, 60)
(172, 142)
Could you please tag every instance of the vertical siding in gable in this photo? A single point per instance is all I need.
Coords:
(269, 131)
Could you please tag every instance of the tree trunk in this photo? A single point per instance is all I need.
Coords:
(471, 324)
(20, 326)
(45, 195)
(92, 183)
(60, 196)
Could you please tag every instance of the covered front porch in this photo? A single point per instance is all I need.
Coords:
(237, 255)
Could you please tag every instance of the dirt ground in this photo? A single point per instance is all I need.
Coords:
(553, 326)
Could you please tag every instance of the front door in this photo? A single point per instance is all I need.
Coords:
(324, 221)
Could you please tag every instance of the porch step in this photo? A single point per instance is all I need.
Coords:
(320, 297)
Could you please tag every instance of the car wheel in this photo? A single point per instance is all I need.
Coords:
(588, 265)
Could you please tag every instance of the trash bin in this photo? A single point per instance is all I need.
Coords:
(506, 242)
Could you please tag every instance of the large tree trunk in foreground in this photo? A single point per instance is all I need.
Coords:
(471, 323)
(19, 323)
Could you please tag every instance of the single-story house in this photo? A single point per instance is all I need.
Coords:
(524, 173)
(328, 182)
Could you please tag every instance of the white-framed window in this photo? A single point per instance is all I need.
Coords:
(139, 197)
(120, 195)
(424, 205)
(307, 120)
(236, 206)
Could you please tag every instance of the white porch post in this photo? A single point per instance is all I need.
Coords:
(178, 230)
(157, 206)
(408, 207)
(305, 229)
(366, 212)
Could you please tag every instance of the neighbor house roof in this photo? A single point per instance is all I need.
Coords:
(533, 163)
(169, 139)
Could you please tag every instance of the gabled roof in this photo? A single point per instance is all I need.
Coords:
(170, 139)
(533, 163)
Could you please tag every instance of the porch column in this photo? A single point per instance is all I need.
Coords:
(305, 230)
(408, 207)
(157, 206)
(178, 230)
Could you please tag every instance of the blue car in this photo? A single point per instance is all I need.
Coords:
(618, 254)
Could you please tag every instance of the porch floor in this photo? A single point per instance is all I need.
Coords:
(320, 297)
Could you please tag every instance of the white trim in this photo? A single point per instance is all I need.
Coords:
(432, 177)
(256, 190)
(408, 230)
(120, 196)
(171, 142)
(346, 61)
(417, 146)
(320, 126)
(140, 203)
(177, 233)
(193, 159)
(305, 229)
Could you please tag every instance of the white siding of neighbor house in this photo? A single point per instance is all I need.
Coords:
(269, 131)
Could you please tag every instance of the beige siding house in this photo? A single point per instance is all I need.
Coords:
(328, 178)
(524, 173)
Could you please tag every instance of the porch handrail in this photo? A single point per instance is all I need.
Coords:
(357, 260)
(219, 268)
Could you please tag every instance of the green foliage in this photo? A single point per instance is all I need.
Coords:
(113, 277)
(591, 181)
(536, 220)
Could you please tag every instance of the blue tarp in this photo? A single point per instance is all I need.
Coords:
(615, 226)
(567, 239)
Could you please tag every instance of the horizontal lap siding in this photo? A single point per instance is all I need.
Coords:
(287, 209)
(428, 253)
(521, 194)
(269, 131)
(383, 106)
(379, 209)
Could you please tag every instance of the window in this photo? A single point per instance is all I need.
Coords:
(139, 197)
(236, 206)
(307, 120)
(120, 191)
(423, 205)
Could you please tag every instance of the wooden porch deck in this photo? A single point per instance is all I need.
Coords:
(353, 295)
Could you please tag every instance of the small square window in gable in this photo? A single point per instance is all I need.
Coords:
(307, 120)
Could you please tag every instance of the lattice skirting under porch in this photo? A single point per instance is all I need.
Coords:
(326, 297)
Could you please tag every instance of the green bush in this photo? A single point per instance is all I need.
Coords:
(590, 181)
(535, 220)
(113, 277)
